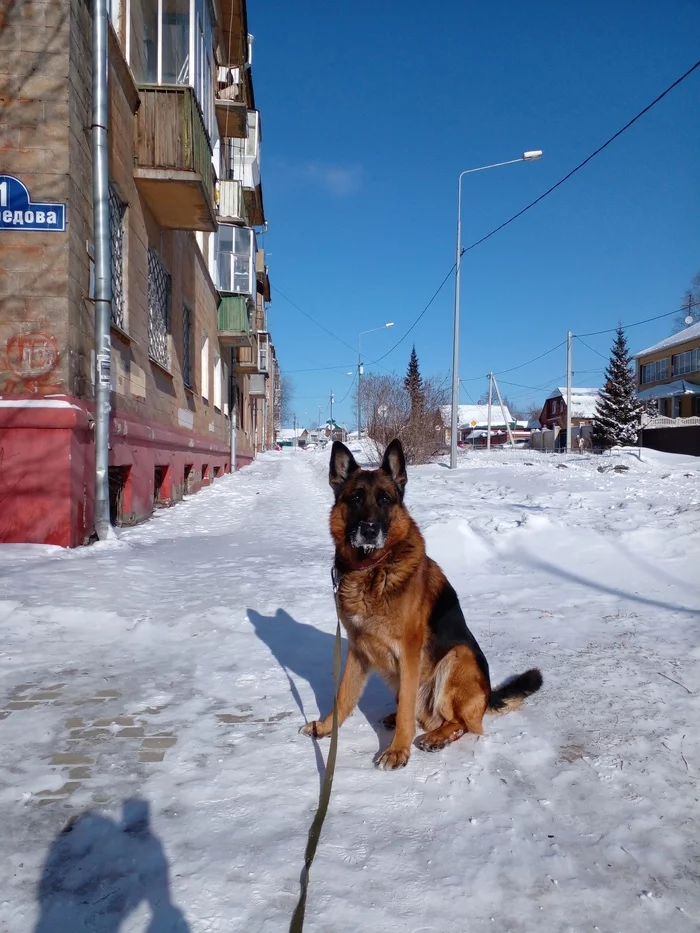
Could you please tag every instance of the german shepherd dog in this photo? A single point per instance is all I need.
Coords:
(403, 619)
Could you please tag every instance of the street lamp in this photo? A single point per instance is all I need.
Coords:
(530, 156)
(360, 370)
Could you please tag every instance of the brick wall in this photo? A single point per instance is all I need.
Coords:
(34, 146)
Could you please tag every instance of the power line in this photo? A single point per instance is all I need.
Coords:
(312, 319)
(523, 365)
(401, 340)
(613, 330)
(318, 369)
(592, 349)
(586, 160)
(349, 390)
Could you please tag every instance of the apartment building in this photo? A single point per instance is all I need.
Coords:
(193, 369)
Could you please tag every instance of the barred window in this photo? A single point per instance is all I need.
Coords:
(187, 346)
(158, 310)
(117, 212)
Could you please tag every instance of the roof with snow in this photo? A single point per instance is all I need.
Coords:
(669, 389)
(583, 401)
(479, 413)
(689, 333)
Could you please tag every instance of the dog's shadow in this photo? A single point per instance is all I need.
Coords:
(305, 651)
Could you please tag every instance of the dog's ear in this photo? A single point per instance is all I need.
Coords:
(394, 463)
(342, 465)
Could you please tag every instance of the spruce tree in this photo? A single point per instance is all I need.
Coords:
(413, 381)
(616, 421)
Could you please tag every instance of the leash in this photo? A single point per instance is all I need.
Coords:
(297, 924)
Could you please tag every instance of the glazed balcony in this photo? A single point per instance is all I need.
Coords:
(231, 206)
(174, 172)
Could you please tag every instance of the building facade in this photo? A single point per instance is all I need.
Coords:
(193, 368)
(668, 379)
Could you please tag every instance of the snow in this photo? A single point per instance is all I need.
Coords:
(205, 638)
(683, 336)
(479, 413)
(583, 401)
(679, 387)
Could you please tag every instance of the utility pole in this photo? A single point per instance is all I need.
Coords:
(295, 430)
(503, 411)
(488, 426)
(569, 337)
(360, 369)
(332, 400)
(318, 423)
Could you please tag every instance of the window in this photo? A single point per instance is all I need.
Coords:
(187, 346)
(263, 350)
(217, 381)
(654, 372)
(204, 363)
(177, 48)
(235, 260)
(158, 310)
(143, 44)
(688, 362)
(117, 213)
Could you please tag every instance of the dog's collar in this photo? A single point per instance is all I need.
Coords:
(367, 564)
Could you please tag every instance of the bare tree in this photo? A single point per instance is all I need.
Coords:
(690, 305)
(533, 411)
(389, 413)
(283, 399)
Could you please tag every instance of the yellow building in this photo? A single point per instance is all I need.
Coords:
(669, 373)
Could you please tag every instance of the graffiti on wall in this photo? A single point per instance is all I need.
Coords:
(32, 357)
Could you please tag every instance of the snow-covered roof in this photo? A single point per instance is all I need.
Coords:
(679, 387)
(583, 401)
(479, 413)
(689, 333)
(288, 434)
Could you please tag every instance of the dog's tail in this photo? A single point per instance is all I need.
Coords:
(512, 692)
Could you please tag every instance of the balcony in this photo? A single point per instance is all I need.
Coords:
(234, 323)
(241, 162)
(231, 205)
(247, 358)
(262, 274)
(174, 172)
(229, 105)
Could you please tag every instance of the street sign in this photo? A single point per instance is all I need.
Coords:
(473, 423)
(19, 212)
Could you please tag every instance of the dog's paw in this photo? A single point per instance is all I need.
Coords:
(434, 741)
(389, 722)
(393, 758)
(315, 729)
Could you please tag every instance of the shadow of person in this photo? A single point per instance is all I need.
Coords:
(99, 871)
(307, 652)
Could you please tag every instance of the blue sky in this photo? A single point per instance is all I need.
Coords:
(371, 110)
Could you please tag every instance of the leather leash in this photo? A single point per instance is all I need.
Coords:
(297, 923)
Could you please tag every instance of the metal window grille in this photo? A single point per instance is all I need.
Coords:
(117, 211)
(187, 346)
(158, 310)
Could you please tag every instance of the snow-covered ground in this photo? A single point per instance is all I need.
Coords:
(159, 682)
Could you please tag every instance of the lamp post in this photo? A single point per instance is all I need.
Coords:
(360, 370)
(530, 156)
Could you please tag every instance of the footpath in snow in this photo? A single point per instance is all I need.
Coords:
(152, 691)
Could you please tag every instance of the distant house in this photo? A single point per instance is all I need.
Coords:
(553, 417)
(472, 419)
(287, 437)
(668, 374)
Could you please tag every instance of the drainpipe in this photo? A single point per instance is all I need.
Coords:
(234, 411)
(103, 267)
